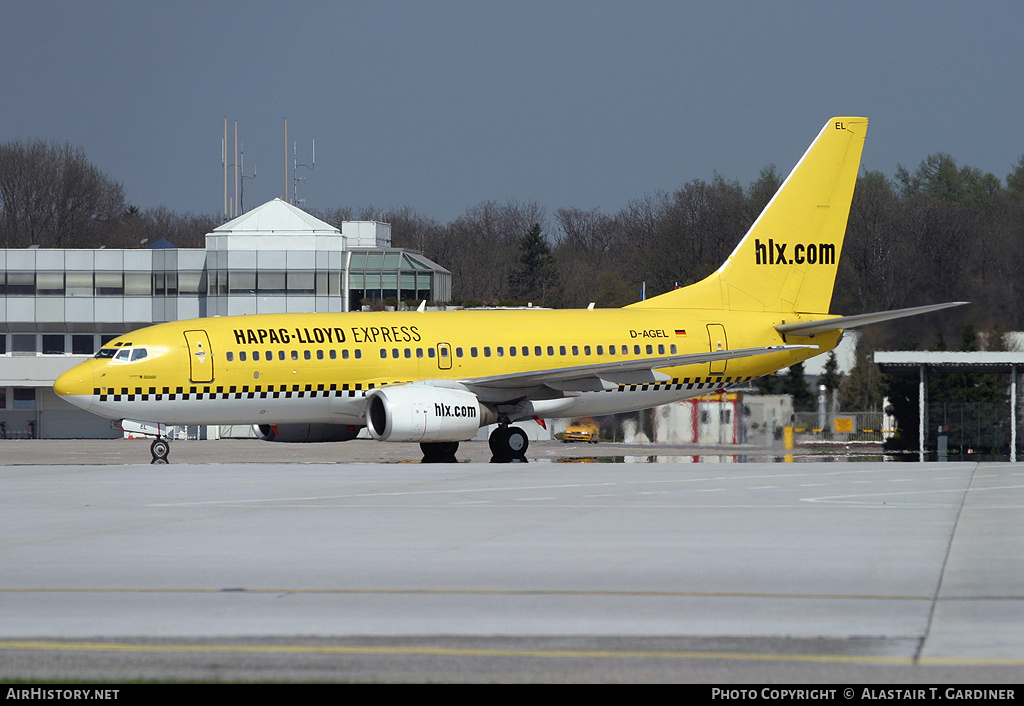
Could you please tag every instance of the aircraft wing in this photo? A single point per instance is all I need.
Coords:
(585, 378)
(809, 328)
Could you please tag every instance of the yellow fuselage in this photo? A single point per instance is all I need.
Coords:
(279, 368)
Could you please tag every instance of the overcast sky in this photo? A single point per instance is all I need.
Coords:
(442, 105)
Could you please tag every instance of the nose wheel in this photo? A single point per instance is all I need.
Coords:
(160, 448)
(508, 445)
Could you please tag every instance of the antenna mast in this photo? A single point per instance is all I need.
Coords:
(295, 166)
(241, 197)
(224, 163)
(232, 207)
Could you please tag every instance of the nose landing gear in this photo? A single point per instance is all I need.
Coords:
(160, 448)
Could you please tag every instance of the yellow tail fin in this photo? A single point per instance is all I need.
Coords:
(788, 259)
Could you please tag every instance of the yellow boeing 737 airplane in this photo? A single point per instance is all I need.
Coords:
(437, 377)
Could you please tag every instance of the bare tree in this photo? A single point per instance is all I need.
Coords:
(679, 238)
(481, 248)
(873, 273)
(53, 196)
(143, 228)
(583, 255)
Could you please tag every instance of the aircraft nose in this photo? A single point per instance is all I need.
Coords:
(76, 385)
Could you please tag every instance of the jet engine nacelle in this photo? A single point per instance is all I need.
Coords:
(425, 413)
(306, 433)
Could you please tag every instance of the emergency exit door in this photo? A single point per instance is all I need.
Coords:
(444, 356)
(200, 357)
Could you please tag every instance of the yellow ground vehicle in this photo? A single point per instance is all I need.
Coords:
(581, 430)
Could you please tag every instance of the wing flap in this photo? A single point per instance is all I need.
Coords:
(584, 377)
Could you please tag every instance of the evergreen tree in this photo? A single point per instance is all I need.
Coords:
(769, 384)
(863, 389)
(534, 278)
(1015, 179)
(832, 377)
(966, 387)
(795, 384)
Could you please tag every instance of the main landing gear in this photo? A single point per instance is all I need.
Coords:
(160, 448)
(440, 452)
(508, 444)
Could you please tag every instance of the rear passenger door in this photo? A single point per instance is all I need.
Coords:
(717, 342)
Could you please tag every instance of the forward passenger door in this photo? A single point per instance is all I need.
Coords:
(200, 356)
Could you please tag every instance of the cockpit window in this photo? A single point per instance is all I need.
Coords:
(123, 355)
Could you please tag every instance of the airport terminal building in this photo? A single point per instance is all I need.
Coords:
(57, 307)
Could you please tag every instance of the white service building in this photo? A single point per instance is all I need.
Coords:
(57, 307)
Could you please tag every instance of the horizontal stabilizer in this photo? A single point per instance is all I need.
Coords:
(809, 328)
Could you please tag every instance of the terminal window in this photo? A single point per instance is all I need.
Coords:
(23, 343)
(83, 344)
(53, 344)
(24, 398)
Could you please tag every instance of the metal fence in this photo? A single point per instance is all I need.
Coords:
(844, 427)
(968, 427)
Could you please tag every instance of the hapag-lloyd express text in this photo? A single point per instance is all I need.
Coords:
(323, 334)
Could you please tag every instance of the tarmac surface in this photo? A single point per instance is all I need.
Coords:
(247, 561)
(134, 451)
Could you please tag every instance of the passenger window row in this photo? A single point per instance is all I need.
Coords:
(319, 354)
(459, 352)
(539, 351)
